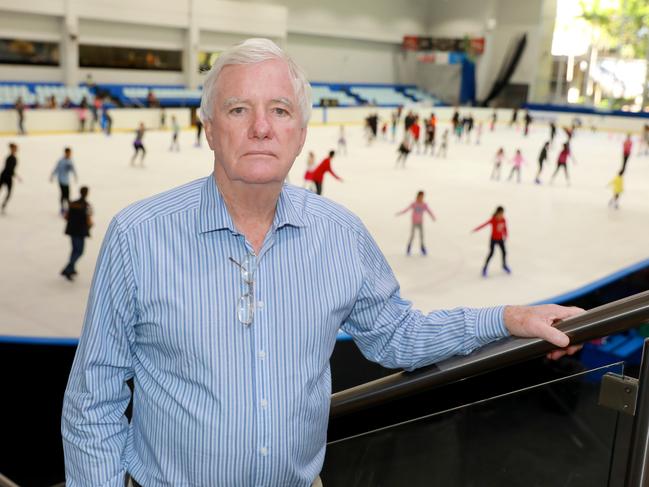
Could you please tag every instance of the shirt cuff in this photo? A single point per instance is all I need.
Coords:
(490, 324)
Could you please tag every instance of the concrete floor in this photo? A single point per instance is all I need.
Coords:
(561, 237)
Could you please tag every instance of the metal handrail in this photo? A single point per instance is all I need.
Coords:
(5, 482)
(608, 319)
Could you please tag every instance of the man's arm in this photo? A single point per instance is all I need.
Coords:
(388, 331)
(93, 424)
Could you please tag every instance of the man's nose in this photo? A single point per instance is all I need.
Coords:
(260, 127)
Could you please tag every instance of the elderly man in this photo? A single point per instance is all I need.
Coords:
(222, 300)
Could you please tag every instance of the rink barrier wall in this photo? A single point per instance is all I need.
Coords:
(45, 121)
(570, 297)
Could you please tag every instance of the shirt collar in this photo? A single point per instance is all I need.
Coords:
(213, 214)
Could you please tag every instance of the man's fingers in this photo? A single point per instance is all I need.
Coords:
(554, 336)
(564, 312)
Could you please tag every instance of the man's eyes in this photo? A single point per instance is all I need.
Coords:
(281, 111)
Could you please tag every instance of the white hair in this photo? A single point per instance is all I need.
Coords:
(253, 51)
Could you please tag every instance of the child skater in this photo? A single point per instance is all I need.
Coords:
(138, 145)
(543, 156)
(403, 150)
(518, 160)
(498, 162)
(562, 162)
(418, 207)
(617, 184)
(498, 237)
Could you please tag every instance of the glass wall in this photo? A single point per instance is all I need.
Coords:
(129, 58)
(36, 53)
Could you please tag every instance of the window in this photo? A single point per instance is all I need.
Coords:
(129, 58)
(19, 51)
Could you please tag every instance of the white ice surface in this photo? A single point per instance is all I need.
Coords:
(560, 237)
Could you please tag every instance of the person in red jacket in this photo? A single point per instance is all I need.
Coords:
(626, 152)
(317, 175)
(415, 130)
(562, 162)
(498, 237)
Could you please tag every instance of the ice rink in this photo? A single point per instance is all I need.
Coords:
(561, 237)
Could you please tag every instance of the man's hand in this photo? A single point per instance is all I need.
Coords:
(539, 322)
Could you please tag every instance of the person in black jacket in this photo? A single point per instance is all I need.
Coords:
(79, 219)
(8, 174)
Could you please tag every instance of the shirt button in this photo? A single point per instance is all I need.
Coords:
(264, 403)
(263, 450)
(261, 354)
(260, 304)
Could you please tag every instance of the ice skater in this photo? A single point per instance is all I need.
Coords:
(517, 162)
(498, 237)
(79, 217)
(308, 175)
(543, 156)
(562, 162)
(20, 113)
(199, 131)
(320, 171)
(342, 140)
(494, 119)
(553, 131)
(403, 150)
(528, 121)
(138, 145)
(64, 167)
(175, 130)
(498, 162)
(418, 208)
(478, 133)
(617, 185)
(626, 152)
(8, 174)
(443, 146)
(514, 121)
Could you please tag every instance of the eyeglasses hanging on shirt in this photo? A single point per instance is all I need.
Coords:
(246, 303)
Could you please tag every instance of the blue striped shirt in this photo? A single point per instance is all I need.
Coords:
(218, 403)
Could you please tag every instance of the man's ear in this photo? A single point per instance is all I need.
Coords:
(207, 124)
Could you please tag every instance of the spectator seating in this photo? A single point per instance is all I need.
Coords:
(324, 91)
(381, 95)
(178, 96)
(421, 95)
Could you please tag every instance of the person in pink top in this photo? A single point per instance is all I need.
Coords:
(626, 152)
(418, 208)
(518, 160)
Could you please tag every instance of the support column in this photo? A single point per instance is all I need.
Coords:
(190, 57)
(540, 87)
(70, 45)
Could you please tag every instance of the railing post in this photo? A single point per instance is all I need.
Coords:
(637, 473)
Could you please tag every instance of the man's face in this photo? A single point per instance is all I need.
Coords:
(256, 129)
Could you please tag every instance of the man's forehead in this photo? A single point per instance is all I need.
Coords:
(243, 80)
